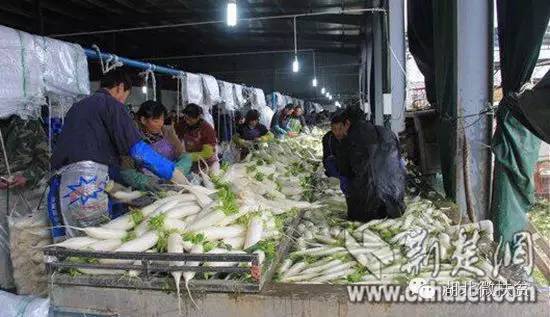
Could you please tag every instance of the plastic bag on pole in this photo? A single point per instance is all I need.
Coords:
(266, 114)
(21, 91)
(240, 99)
(193, 89)
(227, 95)
(211, 90)
(65, 67)
(259, 98)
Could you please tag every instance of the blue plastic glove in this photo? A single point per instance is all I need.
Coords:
(153, 161)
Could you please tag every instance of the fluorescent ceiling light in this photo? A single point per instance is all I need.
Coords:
(232, 13)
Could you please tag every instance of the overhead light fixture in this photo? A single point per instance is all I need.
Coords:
(330, 97)
(337, 104)
(295, 65)
(323, 90)
(314, 82)
(232, 12)
(327, 94)
(144, 89)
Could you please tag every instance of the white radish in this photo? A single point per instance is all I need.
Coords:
(201, 197)
(323, 267)
(76, 243)
(319, 251)
(102, 233)
(351, 246)
(206, 179)
(338, 268)
(300, 277)
(219, 233)
(174, 224)
(121, 223)
(164, 207)
(236, 243)
(295, 269)
(141, 244)
(188, 245)
(148, 210)
(175, 245)
(191, 218)
(127, 196)
(221, 251)
(142, 228)
(333, 276)
(182, 210)
(232, 218)
(261, 256)
(284, 267)
(187, 276)
(104, 245)
(211, 219)
(254, 232)
(124, 222)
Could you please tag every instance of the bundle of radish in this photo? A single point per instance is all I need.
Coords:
(333, 250)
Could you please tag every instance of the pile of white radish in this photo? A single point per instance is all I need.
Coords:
(331, 250)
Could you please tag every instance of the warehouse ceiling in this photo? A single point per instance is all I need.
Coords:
(335, 33)
(338, 36)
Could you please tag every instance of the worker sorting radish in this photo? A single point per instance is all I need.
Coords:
(98, 131)
(367, 161)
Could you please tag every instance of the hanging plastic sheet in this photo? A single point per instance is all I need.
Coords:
(240, 99)
(266, 114)
(192, 89)
(64, 67)
(20, 74)
(211, 90)
(280, 101)
(269, 100)
(259, 98)
(227, 95)
(515, 148)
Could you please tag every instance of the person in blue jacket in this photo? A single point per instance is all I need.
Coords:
(97, 132)
(280, 120)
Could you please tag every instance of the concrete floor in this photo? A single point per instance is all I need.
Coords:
(275, 300)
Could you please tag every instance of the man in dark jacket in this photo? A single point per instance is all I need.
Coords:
(371, 159)
(331, 154)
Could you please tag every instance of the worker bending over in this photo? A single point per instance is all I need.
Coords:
(199, 138)
(331, 153)
(251, 132)
(297, 121)
(150, 120)
(280, 122)
(369, 156)
(97, 132)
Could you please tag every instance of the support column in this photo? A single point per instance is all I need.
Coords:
(397, 57)
(376, 84)
(474, 65)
